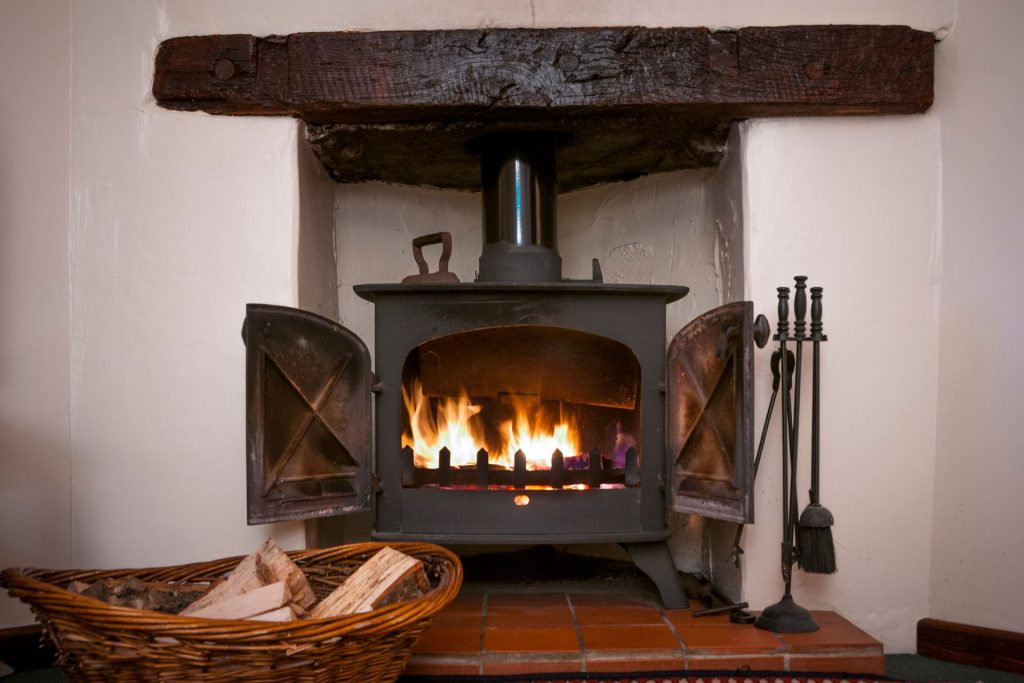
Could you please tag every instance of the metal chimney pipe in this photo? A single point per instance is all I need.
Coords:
(518, 177)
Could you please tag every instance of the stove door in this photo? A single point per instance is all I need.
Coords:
(308, 448)
(710, 414)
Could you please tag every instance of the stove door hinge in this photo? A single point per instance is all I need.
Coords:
(377, 487)
(661, 387)
(375, 383)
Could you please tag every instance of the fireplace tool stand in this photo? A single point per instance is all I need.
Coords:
(786, 616)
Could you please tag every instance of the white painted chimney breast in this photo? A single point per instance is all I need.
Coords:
(177, 219)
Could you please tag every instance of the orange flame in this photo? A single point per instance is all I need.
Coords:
(447, 423)
(537, 435)
(456, 424)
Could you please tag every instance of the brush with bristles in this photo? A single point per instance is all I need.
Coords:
(817, 549)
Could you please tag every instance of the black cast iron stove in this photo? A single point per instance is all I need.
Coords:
(520, 408)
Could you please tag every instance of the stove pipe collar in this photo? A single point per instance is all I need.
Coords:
(518, 177)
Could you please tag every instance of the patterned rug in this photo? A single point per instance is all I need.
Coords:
(667, 677)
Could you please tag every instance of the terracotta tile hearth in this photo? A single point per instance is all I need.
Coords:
(498, 632)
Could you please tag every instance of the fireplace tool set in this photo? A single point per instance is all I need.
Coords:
(807, 537)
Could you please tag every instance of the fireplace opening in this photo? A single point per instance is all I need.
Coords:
(521, 407)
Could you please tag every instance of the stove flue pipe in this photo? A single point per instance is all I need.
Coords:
(518, 177)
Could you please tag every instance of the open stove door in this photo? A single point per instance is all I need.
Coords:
(710, 414)
(308, 450)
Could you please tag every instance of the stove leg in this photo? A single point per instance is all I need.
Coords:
(654, 560)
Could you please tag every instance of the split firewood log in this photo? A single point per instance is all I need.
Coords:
(267, 564)
(282, 568)
(252, 603)
(169, 598)
(286, 613)
(389, 576)
(248, 575)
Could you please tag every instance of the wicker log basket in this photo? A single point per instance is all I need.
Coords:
(101, 642)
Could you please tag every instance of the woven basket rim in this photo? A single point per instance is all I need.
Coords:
(19, 580)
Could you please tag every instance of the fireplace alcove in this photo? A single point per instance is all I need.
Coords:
(586, 84)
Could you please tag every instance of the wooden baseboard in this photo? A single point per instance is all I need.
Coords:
(23, 648)
(974, 645)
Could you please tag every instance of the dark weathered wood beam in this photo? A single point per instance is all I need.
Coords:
(382, 101)
(443, 155)
(401, 76)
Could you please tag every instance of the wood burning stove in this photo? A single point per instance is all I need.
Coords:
(519, 408)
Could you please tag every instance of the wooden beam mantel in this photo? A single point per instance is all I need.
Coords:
(404, 106)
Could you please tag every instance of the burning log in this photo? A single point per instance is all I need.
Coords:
(388, 577)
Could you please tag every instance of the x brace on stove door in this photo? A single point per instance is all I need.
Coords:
(312, 416)
(705, 401)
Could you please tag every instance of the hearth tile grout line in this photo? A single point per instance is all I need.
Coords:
(483, 629)
(579, 632)
(672, 627)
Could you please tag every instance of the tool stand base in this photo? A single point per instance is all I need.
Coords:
(786, 616)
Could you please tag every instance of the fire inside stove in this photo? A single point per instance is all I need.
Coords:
(521, 407)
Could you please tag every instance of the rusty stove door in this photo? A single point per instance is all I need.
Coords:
(308, 415)
(710, 414)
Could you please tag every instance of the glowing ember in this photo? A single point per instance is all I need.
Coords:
(455, 423)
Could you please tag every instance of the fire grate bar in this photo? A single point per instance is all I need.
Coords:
(483, 475)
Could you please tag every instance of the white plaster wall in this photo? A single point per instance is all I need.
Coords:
(176, 220)
(317, 270)
(977, 553)
(376, 223)
(853, 204)
(653, 230)
(35, 454)
(262, 17)
(927, 15)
